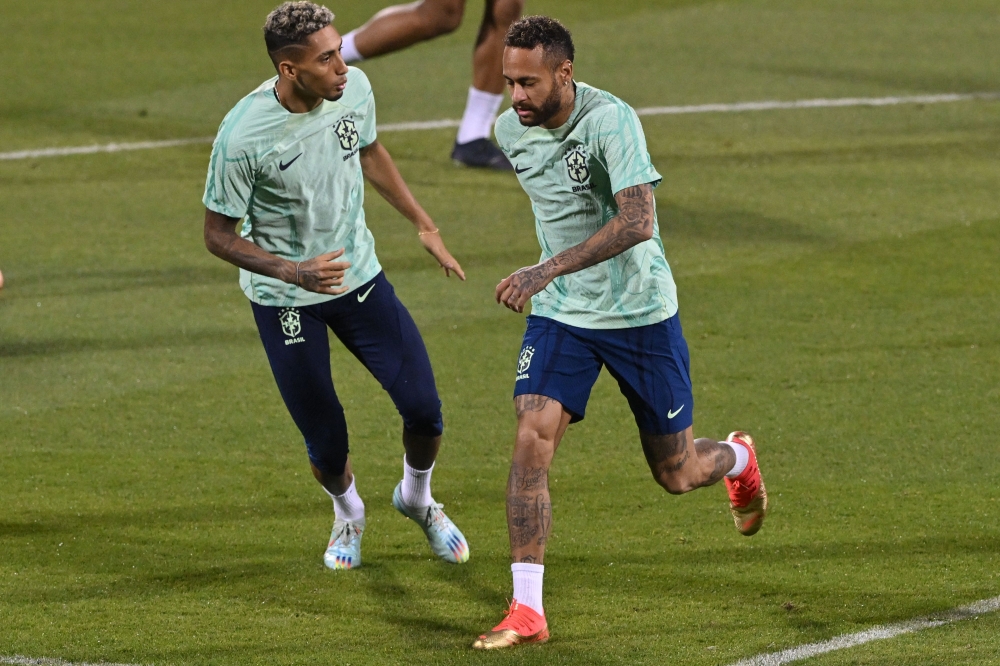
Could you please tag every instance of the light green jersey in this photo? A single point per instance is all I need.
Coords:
(295, 180)
(571, 175)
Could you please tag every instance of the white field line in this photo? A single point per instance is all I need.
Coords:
(874, 634)
(767, 105)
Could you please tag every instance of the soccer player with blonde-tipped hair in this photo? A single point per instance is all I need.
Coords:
(284, 202)
(602, 295)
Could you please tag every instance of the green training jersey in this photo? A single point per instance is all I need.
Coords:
(295, 180)
(571, 174)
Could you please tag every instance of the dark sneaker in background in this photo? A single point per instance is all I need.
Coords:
(481, 154)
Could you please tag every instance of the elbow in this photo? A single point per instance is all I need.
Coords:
(646, 233)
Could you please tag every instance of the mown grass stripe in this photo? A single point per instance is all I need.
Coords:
(43, 661)
(416, 126)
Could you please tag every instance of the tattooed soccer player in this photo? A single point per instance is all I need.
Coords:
(602, 295)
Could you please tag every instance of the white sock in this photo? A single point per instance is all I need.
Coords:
(349, 51)
(480, 112)
(528, 585)
(416, 488)
(742, 458)
(348, 507)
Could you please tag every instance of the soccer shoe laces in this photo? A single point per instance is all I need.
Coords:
(518, 618)
(435, 516)
(345, 534)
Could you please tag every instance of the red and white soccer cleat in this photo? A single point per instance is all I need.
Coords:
(747, 495)
(522, 625)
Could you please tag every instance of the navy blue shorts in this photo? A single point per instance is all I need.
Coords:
(375, 327)
(650, 363)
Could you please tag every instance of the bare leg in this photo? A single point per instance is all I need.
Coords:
(336, 485)
(397, 27)
(680, 464)
(541, 423)
(421, 451)
(487, 59)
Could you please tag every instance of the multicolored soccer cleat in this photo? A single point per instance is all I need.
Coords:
(445, 539)
(522, 625)
(747, 495)
(344, 551)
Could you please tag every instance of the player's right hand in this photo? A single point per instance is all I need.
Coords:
(322, 274)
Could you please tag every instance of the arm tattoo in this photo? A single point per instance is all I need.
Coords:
(632, 225)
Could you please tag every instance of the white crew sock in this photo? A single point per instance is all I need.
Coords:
(416, 488)
(348, 507)
(742, 458)
(480, 112)
(348, 50)
(528, 585)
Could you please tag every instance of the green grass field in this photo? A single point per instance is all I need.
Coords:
(840, 292)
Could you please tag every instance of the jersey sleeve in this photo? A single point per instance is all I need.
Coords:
(366, 130)
(623, 145)
(230, 181)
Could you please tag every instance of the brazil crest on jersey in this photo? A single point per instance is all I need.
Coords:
(295, 180)
(571, 175)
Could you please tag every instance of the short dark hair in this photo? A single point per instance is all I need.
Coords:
(534, 31)
(293, 22)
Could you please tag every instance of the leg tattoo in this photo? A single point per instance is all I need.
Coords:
(529, 512)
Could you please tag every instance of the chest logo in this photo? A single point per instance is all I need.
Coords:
(291, 324)
(576, 165)
(348, 134)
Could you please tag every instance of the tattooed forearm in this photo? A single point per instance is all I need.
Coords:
(632, 225)
(530, 403)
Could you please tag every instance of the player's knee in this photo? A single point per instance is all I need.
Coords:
(533, 448)
(330, 459)
(425, 426)
(441, 17)
(675, 483)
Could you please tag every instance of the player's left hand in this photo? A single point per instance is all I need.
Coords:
(515, 290)
(433, 244)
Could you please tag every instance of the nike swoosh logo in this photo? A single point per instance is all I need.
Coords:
(671, 415)
(282, 166)
(362, 297)
(519, 170)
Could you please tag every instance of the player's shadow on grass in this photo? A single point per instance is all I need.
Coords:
(113, 280)
(404, 604)
(731, 225)
(178, 338)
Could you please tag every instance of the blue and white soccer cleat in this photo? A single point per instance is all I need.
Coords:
(445, 539)
(344, 551)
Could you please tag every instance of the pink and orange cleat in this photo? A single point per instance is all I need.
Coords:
(522, 625)
(747, 495)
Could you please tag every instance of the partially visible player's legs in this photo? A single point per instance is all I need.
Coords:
(541, 423)
(382, 335)
(658, 389)
(472, 145)
(400, 26)
(298, 351)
